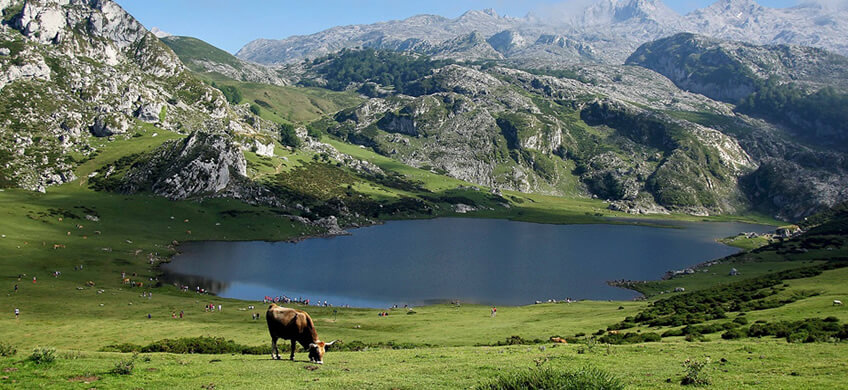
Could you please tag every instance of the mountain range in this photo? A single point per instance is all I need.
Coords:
(663, 121)
(605, 31)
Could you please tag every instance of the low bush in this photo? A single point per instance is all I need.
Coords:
(517, 340)
(43, 355)
(587, 378)
(219, 345)
(7, 349)
(695, 372)
(809, 330)
(734, 334)
(192, 345)
(629, 338)
(125, 367)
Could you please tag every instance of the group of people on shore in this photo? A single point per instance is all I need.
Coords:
(298, 300)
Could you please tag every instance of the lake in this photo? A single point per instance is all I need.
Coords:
(483, 261)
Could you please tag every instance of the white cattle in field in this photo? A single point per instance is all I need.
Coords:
(837, 302)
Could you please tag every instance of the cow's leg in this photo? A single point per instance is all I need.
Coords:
(294, 345)
(275, 353)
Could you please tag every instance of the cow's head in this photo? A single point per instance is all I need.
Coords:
(316, 351)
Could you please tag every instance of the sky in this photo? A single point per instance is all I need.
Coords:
(229, 24)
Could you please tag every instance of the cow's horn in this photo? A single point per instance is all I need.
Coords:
(330, 343)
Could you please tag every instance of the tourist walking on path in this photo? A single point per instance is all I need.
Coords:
(494, 311)
(17, 313)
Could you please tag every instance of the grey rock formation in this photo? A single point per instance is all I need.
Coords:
(83, 67)
(201, 164)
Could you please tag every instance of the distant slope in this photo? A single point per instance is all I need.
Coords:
(265, 89)
(801, 88)
(290, 104)
(202, 57)
(800, 92)
(730, 71)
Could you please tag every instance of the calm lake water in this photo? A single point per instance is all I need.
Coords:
(474, 260)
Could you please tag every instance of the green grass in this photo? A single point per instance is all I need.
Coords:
(192, 49)
(288, 104)
(745, 243)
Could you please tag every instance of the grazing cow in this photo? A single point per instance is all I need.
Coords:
(297, 326)
(559, 340)
(837, 302)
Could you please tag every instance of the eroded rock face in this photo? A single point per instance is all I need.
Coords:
(202, 164)
(86, 67)
(107, 125)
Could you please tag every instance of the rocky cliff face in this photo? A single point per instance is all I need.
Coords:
(73, 69)
(201, 164)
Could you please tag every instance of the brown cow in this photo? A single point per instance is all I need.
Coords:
(297, 326)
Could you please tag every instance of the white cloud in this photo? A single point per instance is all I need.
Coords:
(159, 33)
(838, 5)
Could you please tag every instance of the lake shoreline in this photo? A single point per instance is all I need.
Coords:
(423, 262)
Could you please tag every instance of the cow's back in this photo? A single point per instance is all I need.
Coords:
(287, 323)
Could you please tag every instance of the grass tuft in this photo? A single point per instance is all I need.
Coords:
(584, 379)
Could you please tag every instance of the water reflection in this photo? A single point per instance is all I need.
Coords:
(471, 260)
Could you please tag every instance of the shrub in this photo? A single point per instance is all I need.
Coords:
(518, 340)
(288, 135)
(695, 337)
(734, 334)
(7, 350)
(198, 345)
(695, 373)
(673, 333)
(630, 338)
(587, 378)
(125, 367)
(43, 355)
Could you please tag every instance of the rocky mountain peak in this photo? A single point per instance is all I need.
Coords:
(507, 40)
(619, 11)
(487, 13)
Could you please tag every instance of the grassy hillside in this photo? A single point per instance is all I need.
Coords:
(191, 50)
(291, 104)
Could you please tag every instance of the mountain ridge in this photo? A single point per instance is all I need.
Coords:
(613, 28)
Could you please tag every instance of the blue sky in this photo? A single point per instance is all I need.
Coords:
(231, 24)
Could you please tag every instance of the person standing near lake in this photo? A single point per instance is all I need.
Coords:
(494, 311)
(17, 313)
